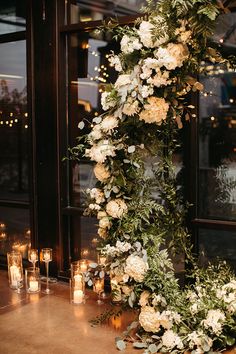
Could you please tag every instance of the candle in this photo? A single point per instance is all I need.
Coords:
(98, 285)
(102, 260)
(33, 285)
(46, 257)
(83, 266)
(15, 275)
(2, 226)
(78, 296)
(78, 281)
(33, 257)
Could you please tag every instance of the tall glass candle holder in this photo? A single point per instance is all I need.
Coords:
(33, 256)
(46, 258)
(32, 280)
(77, 284)
(98, 287)
(83, 263)
(15, 270)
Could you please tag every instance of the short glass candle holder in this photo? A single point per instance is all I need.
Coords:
(77, 284)
(32, 280)
(15, 270)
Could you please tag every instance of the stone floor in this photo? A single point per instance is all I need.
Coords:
(49, 324)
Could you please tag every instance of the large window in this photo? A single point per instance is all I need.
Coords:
(14, 132)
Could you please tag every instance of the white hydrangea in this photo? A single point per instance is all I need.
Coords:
(129, 44)
(136, 267)
(115, 61)
(116, 208)
(109, 123)
(123, 246)
(155, 111)
(122, 80)
(160, 79)
(97, 194)
(107, 101)
(149, 64)
(146, 90)
(198, 339)
(170, 340)
(172, 56)
(101, 173)
(149, 319)
(99, 152)
(214, 321)
(145, 33)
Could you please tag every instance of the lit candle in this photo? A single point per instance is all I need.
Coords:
(78, 281)
(83, 266)
(78, 296)
(102, 260)
(2, 226)
(98, 285)
(15, 275)
(33, 257)
(33, 285)
(46, 257)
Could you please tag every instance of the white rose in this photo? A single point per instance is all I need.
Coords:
(148, 319)
(116, 208)
(101, 172)
(136, 268)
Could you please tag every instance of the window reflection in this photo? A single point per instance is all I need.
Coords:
(12, 16)
(14, 231)
(14, 122)
(217, 132)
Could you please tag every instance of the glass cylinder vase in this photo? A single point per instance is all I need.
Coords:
(32, 280)
(15, 270)
(77, 284)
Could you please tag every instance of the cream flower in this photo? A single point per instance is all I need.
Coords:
(129, 43)
(131, 107)
(148, 319)
(107, 101)
(101, 172)
(95, 134)
(116, 208)
(100, 151)
(109, 123)
(143, 301)
(145, 34)
(171, 340)
(155, 111)
(115, 61)
(101, 214)
(102, 232)
(105, 223)
(97, 194)
(136, 267)
(214, 321)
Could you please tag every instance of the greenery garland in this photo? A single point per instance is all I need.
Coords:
(141, 216)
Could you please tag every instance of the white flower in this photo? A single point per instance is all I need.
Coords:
(159, 300)
(116, 208)
(155, 111)
(146, 90)
(126, 289)
(101, 172)
(149, 64)
(100, 151)
(165, 321)
(101, 214)
(172, 56)
(143, 301)
(214, 321)
(131, 107)
(136, 267)
(95, 134)
(105, 223)
(97, 194)
(107, 101)
(125, 278)
(160, 79)
(148, 319)
(102, 232)
(93, 206)
(115, 61)
(129, 44)
(145, 34)
(194, 308)
(123, 246)
(109, 123)
(199, 339)
(171, 340)
(122, 80)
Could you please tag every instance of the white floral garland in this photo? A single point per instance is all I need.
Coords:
(149, 93)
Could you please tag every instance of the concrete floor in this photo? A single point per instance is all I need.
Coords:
(49, 324)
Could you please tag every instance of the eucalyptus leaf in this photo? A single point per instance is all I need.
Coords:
(131, 149)
(139, 345)
(120, 344)
(152, 348)
(90, 283)
(81, 125)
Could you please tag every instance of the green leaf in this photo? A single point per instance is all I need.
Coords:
(230, 341)
(120, 344)
(152, 348)
(139, 345)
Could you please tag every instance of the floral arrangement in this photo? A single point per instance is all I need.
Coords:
(157, 69)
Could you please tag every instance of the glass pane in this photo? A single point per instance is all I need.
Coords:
(217, 132)
(13, 122)
(94, 10)
(214, 243)
(89, 73)
(12, 16)
(14, 230)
